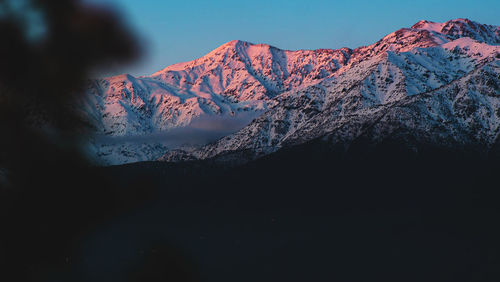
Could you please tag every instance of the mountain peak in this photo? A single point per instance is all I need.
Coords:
(234, 44)
(241, 44)
(462, 27)
(435, 26)
(427, 25)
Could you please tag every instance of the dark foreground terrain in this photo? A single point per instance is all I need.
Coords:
(307, 214)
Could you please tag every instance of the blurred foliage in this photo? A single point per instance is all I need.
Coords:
(50, 195)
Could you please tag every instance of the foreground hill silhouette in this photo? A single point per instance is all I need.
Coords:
(311, 213)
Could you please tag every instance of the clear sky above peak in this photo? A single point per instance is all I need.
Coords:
(174, 31)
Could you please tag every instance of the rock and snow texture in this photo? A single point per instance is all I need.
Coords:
(434, 81)
(237, 81)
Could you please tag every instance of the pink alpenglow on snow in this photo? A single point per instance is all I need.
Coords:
(245, 82)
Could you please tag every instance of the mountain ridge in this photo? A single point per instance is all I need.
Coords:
(244, 79)
(465, 65)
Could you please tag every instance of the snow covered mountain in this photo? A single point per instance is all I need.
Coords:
(433, 82)
(235, 82)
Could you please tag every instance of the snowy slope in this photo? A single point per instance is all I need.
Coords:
(237, 81)
(273, 98)
(426, 84)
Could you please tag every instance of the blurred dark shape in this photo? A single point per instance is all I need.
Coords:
(50, 195)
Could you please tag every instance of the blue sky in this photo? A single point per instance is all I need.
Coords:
(183, 30)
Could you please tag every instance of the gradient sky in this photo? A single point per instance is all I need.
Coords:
(183, 30)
